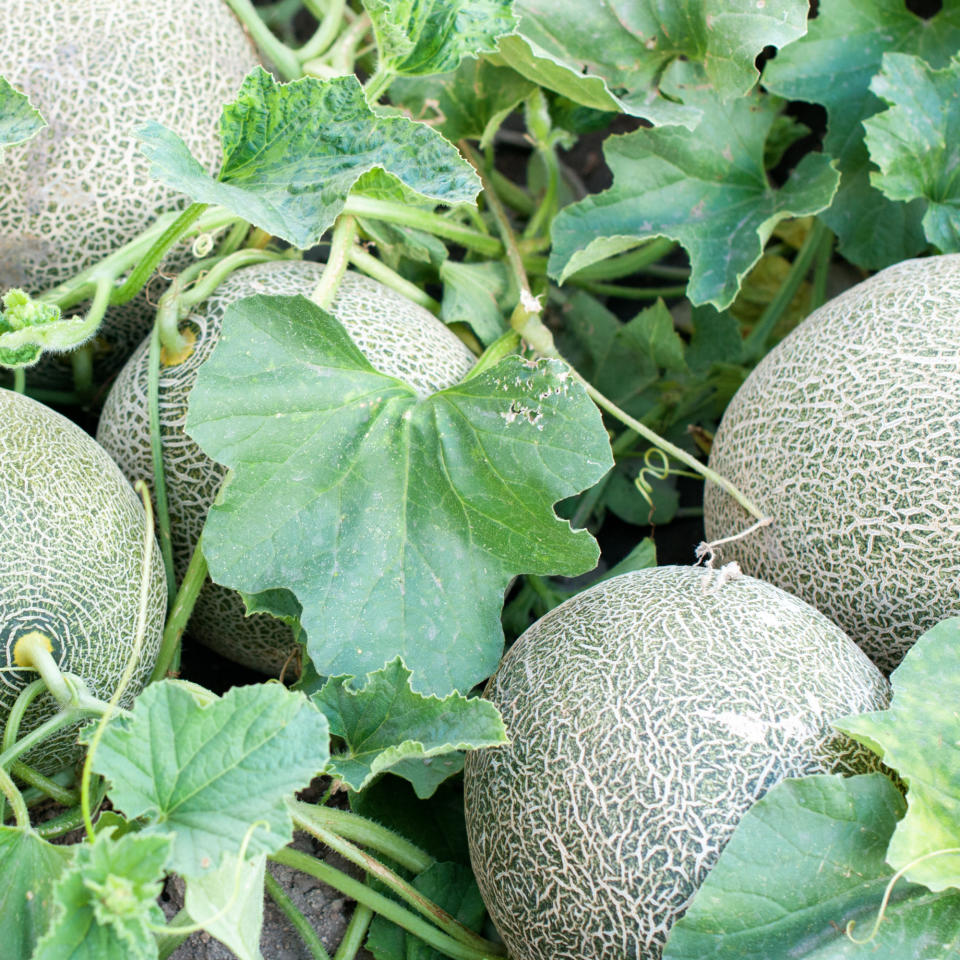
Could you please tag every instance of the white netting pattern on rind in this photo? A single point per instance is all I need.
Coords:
(645, 716)
(98, 70)
(399, 338)
(848, 435)
(71, 553)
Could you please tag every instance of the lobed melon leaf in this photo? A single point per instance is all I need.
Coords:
(292, 152)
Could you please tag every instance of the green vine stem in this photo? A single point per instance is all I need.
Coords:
(341, 57)
(81, 361)
(367, 833)
(526, 321)
(156, 453)
(450, 925)
(626, 264)
(15, 798)
(383, 905)
(46, 785)
(344, 235)
(355, 933)
(299, 922)
(377, 269)
(275, 50)
(168, 942)
(378, 84)
(628, 293)
(142, 272)
(330, 24)
(26, 696)
(70, 819)
(48, 728)
(821, 272)
(406, 216)
(19, 380)
(35, 651)
(190, 587)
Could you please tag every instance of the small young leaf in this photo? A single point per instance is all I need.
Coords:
(238, 884)
(292, 153)
(383, 722)
(27, 326)
(416, 38)
(805, 861)
(919, 737)
(207, 773)
(915, 142)
(627, 48)
(30, 867)
(19, 121)
(833, 66)
(707, 189)
(107, 900)
(397, 520)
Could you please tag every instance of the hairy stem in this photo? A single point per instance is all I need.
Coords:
(355, 933)
(299, 922)
(190, 587)
(344, 235)
(43, 783)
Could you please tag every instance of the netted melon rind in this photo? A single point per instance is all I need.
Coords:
(71, 555)
(98, 70)
(645, 715)
(399, 338)
(848, 435)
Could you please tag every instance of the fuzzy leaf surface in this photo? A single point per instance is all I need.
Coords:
(833, 65)
(292, 152)
(28, 325)
(417, 38)
(383, 722)
(106, 900)
(919, 737)
(206, 773)
(803, 862)
(915, 142)
(707, 189)
(30, 866)
(612, 54)
(239, 927)
(397, 521)
(19, 120)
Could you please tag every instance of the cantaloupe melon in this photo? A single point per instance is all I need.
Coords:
(71, 560)
(399, 338)
(645, 716)
(848, 435)
(98, 70)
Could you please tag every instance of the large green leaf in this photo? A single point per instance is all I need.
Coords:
(833, 66)
(919, 736)
(19, 121)
(707, 189)
(382, 722)
(292, 152)
(421, 37)
(30, 867)
(612, 54)
(107, 900)
(915, 143)
(478, 294)
(804, 862)
(396, 520)
(206, 774)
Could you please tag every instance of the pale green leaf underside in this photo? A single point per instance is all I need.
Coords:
(207, 773)
(383, 722)
(916, 143)
(19, 121)
(919, 737)
(707, 189)
(833, 65)
(611, 54)
(397, 521)
(107, 900)
(292, 152)
(804, 861)
(422, 37)
(30, 867)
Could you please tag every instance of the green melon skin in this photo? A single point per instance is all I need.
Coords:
(645, 716)
(399, 338)
(848, 435)
(71, 558)
(98, 71)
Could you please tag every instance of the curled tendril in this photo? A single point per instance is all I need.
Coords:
(203, 245)
(656, 465)
(889, 890)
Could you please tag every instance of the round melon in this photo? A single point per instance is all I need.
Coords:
(848, 435)
(645, 716)
(71, 561)
(98, 70)
(398, 337)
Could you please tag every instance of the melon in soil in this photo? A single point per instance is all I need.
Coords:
(645, 716)
(846, 435)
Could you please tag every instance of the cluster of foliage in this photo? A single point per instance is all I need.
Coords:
(722, 202)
